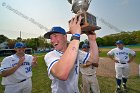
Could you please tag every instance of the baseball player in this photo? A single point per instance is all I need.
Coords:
(120, 56)
(88, 70)
(63, 62)
(16, 71)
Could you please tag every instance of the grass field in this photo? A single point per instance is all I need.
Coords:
(41, 82)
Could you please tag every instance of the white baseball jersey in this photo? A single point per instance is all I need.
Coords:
(89, 79)
(71, 84)
(122, 55)
(23, 72)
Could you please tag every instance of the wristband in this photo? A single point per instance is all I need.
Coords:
(77, 35)
(75, 38)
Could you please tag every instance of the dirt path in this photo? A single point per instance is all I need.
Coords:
(107, 68)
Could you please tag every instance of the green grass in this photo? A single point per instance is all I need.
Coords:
(42, 84)
(1, 58)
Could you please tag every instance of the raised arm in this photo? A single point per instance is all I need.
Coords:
(62, 68)
(94, 53)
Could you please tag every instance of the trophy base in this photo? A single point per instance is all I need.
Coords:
(88, 23)
(87, 28)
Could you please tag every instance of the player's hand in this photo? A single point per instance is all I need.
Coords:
(34, 61)
(84, 65)
(116, 61)
(21, 60)
(91, 35)
(129, 61)
(74, 25)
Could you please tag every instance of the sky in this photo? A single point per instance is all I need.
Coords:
(33, 18)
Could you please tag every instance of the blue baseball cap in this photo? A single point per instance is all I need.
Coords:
(56, 29)
(85, 46)
(119, 42)
(19, 45)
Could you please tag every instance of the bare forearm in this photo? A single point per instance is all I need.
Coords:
(10, 71)
(94, 53)
(87, 64)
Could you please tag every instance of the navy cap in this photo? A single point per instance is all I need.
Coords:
(119, 42)
(19, 45)
(85, 46)
(55, 30)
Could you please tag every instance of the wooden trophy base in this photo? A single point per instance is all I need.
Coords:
(88, 23)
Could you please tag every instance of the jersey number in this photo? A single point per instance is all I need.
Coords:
(28, 69)
(126, 57)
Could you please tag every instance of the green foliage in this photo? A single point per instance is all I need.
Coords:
(100, 41)
(3, 38)
(129, 38)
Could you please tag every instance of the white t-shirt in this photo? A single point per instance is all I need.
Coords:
(71, 84)
(23, 72)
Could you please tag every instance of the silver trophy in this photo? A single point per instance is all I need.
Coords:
(88, 22)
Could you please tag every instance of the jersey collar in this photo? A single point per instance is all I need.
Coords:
(59, 51)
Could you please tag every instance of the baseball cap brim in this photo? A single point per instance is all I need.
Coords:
(47, 35)
(119, 43)
(54, 30)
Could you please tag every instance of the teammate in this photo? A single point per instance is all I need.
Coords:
(88, 70)
(63, 61)
(16, 71)
(120, 56)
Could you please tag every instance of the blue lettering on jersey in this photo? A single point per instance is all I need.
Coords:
(28, 69)
(121, 53)
(24, 63)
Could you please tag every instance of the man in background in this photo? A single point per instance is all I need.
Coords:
(120, 55)
(88, 70)
(16, 70)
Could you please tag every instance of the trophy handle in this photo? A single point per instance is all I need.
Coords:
(89, 2)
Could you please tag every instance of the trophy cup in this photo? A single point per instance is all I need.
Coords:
(88, 23)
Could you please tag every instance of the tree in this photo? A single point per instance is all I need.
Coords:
(100, 41)
(3, 38)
